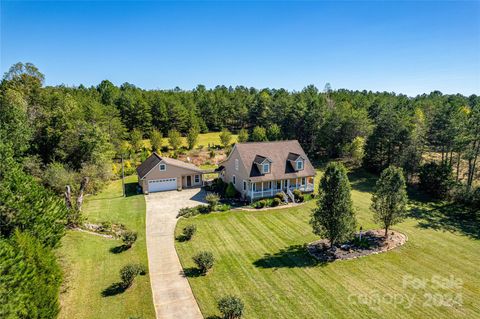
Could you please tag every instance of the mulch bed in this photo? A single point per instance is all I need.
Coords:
(373, 242)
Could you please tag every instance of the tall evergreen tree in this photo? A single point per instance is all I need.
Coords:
(334, 217)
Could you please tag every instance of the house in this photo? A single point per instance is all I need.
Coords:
(158, 173)
(263, 169)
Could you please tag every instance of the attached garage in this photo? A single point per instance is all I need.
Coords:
(158, 174)
(160, 185)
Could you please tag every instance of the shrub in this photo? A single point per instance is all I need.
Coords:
(204, 261)
(259, 204)
(275, 202)
(129, 237)
(189, 231)
(231, 192)
(203, 209)
(297, 194)
(279, 196)
(212, 200)
(219, 186)
(187, 212)
(223, 207)
(231, 307)
(128, 274)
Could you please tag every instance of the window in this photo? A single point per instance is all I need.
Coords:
(269, 185)
(254, 187)
(299, 165)
(236, 164)
(244, 185)
(197, 179)
(163, 167)
(266, 168)
(234, 180)
(303, 180)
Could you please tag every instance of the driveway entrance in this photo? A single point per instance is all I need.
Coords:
(172, 295)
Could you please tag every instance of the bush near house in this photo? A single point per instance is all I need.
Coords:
(212, 200)
(298, 196)
(230, 192)
(275, 202)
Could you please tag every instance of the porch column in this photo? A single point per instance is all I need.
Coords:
(262, 189)
(296, 183)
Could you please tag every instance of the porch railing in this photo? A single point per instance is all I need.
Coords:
(272, 191)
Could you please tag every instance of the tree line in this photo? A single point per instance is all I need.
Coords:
(56, 136)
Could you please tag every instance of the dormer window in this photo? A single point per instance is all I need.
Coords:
(299, 165)
(266, 168)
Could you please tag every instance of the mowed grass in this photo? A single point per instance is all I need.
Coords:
(90, 267)
(260, 257)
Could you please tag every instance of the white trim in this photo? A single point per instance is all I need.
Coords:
(195, 178)
(160, 167)
(296, 165)
(263, 168)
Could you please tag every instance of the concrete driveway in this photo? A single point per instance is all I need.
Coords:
(172, 295)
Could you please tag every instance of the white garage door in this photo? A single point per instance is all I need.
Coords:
(165, 184)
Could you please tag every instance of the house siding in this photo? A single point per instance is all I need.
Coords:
(171, 172)
(240, 175)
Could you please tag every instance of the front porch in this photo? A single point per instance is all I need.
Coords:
(258, 190)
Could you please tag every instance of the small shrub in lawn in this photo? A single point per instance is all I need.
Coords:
(189, 231)
(212, 200)
(231, 307)
(128, 274)
(275, 202)
(129, 237)
(141, 269)
(204, 261)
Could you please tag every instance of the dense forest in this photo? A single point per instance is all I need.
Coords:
(56, 136)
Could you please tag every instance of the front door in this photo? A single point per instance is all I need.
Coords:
(189, 181)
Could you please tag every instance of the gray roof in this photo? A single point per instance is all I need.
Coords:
(154, 159)
(279, 154)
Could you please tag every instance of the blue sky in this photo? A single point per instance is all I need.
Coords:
(405, 47)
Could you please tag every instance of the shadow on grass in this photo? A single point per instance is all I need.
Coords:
(191, 272)
(447, 217)
(362, 180)
(113, 289)
(119, 249)
(295, 256)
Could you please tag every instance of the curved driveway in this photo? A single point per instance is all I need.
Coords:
(172, 295)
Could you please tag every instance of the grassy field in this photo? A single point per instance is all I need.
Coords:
(260, 257)
(212, 138)
(90, 267)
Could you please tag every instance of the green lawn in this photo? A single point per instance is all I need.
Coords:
(90, 267)
(260, 257)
